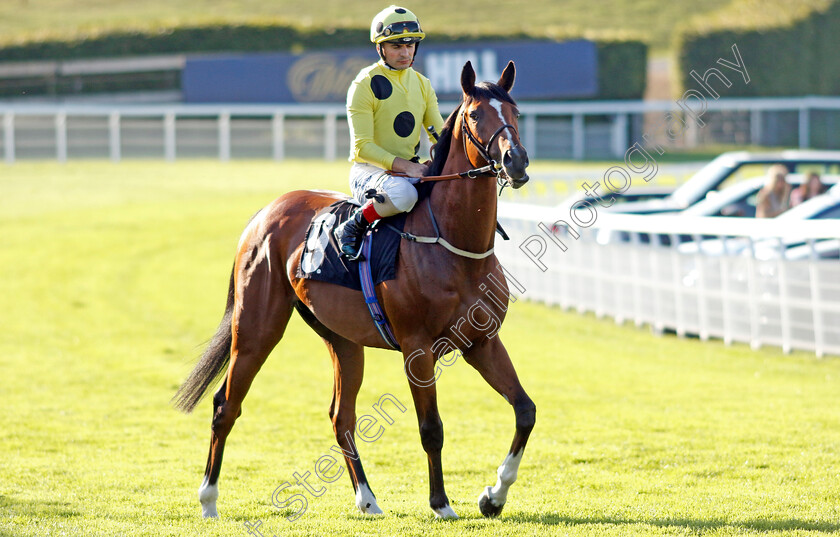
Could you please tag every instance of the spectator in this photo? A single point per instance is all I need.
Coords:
(774, 198)
(811, 187)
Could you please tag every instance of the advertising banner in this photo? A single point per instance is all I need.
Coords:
(545, 70)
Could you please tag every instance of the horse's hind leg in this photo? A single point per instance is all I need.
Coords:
(348, 365)
(492, 361)
(261, 311)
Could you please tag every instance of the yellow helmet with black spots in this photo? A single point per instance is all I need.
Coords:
(397, 25)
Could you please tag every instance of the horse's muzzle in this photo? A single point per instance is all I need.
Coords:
(514, 163)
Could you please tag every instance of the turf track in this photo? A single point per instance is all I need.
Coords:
(111, 276)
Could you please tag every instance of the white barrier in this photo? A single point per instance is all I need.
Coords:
(572, 130)
(776, 301)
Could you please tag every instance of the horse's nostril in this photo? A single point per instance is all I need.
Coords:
(507, 160)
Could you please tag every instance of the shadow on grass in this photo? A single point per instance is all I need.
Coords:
(553, 519)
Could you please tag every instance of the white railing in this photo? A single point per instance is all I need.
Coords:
(557, 130)
(621, 267)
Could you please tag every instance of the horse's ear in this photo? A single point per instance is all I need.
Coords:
(506, 80)
(467, 78)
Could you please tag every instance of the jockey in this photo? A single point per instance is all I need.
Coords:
(388, 106)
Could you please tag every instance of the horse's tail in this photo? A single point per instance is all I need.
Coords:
(212, 364)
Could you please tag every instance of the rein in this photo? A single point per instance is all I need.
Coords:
(492, 168)
(489, 171)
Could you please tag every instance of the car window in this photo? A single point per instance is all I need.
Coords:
(821, 169)
(746, 171)
(831, 212)
(743, 206)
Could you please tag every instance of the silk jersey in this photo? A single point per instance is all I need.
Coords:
(387, 110)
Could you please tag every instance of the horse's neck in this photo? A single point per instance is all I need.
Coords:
(465, 209)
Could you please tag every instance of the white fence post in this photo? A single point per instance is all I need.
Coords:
(784, 301)
(530, 138)
(755, 127)
(329, 136)
(278, 142)
(578, 137)
(726, 294)
(677, 288)
(619, 135)
(636, 272)
(169, 136)
(804, 127)
(702, 290)
(61, 137)
(224, 136)
(755, 298)
(661, 282)
(816, 300)
(598, 256)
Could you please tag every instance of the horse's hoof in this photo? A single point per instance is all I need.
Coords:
(366, 502)
(445, 512)
(370, 509)
(486, 505)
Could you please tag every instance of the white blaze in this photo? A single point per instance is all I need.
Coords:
(497, 104)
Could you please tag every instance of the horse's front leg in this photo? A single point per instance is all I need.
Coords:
(420, 370)
(491, 360)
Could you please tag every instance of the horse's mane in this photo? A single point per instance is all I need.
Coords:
(440, 151)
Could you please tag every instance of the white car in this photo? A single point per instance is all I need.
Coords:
(824, 206)
(722, 172)
(740, 199)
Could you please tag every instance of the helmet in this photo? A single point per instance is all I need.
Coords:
(396, 24)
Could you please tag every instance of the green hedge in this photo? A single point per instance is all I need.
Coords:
(622, 62)
(622, 69)
(212, 38)
(787, 50)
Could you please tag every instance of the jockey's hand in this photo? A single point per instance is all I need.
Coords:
(412, 169)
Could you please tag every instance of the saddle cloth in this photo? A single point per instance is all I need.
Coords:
(321, 260)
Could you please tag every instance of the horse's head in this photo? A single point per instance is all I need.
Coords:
(490, 121)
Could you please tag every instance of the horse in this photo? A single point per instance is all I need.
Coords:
(439, 280)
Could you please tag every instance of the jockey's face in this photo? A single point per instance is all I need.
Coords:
(398, 56)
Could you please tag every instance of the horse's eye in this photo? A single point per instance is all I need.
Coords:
(474, 115)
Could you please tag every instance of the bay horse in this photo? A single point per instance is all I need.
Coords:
(434, 292)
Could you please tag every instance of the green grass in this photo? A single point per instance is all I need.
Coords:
(113, 275)
(651, 20)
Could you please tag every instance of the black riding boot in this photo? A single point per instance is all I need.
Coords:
(349, 235)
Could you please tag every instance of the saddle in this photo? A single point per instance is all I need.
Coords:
(322, 259)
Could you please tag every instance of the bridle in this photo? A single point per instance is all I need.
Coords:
(492, 168)
(495, 168)
(483, 150)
